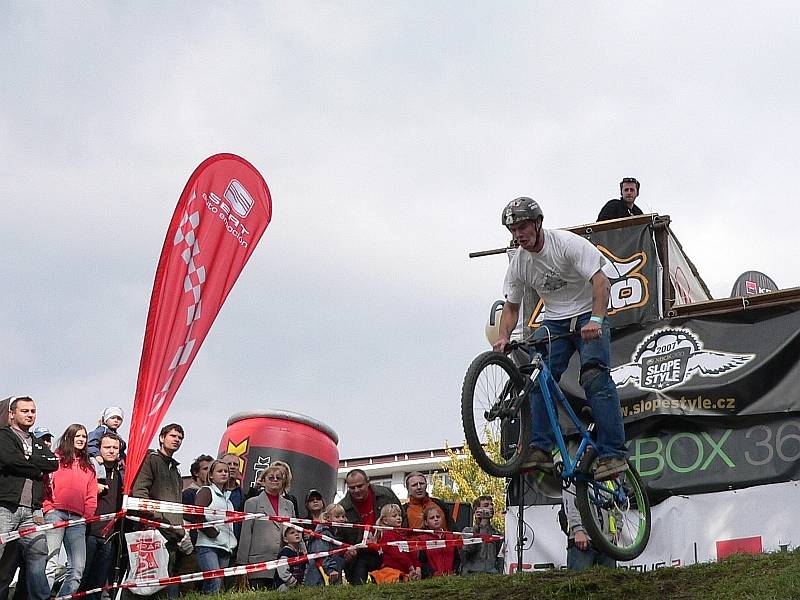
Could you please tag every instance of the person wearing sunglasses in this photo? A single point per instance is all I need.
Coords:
(261, 539)
(624, 206)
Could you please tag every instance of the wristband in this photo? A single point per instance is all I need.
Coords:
(595, 319)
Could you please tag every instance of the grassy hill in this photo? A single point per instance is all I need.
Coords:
(761, 577)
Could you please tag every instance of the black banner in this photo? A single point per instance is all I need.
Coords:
(722, 365)
(632, 270)
(710, 403)
(692, 456)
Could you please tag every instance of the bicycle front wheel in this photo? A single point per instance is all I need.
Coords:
(491, 385)
(615, 513)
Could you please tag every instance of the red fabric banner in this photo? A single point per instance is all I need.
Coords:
(221, 214)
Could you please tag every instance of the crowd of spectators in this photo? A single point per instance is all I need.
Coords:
(81, 474)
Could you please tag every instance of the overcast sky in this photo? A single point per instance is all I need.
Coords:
(391, 135)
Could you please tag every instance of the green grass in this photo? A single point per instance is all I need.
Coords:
(760, 577)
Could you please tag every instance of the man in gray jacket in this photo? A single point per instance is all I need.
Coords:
(482, 558)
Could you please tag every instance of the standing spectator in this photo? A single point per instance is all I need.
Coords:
(397, 565)
(437, 561)
(24, 463)
(261, 539)
(315, 505)
(362, 504)
(110, 421)
(43, 433)
(199, 473)
(160, 479)
(619, 208)
(101, 550)
(234, 486)
(327, 570)
(187, 563)
(287, 473)
(215, 544)
(482, 558)
(72, 494)
(581, 554)
(290, 575)
(419, 501)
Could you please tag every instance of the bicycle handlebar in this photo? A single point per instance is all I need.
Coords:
(534, 341)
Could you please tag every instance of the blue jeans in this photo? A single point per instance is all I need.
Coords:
(210, 559)
(580, 560)
(601, 393)
(100, 555)
(74, 539)
(34, 549)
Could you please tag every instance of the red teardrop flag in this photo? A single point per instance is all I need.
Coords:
(221, 214)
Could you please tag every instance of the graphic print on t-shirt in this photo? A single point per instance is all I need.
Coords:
(552, 281)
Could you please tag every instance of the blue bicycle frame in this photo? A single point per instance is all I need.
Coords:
(541, 372)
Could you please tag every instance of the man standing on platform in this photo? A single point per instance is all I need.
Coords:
(624, 206)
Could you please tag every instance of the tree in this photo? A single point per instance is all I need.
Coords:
(470, 481)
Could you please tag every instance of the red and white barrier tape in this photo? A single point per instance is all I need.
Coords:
(201, 575)
(142, 504)
(454, 539)
(405, 546)
(14, 535)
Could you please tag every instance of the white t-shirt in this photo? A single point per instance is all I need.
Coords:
(560, 274)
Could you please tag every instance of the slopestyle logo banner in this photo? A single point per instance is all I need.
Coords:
(632, 269)
(220, 217)
(720, 365)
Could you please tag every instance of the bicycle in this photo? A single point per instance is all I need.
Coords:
(495, 405)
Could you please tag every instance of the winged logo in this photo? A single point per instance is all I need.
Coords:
(669, 357)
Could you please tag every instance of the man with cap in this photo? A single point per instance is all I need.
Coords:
(110, 422)
(43, 433)
(315, 506)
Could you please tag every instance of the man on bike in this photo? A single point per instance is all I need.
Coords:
(565, 270)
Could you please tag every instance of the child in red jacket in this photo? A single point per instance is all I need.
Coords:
(397, 565)
(437, 561)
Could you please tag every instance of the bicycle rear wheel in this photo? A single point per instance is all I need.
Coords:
(618, 528)
(492, 382)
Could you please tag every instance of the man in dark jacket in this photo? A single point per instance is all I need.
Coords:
(619, 208)
(24, 464)
(160, 479)
(101, 549)
(362, 504)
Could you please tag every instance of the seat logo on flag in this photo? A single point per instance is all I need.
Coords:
(239, 198)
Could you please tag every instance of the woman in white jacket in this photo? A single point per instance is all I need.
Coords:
(215, 544)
